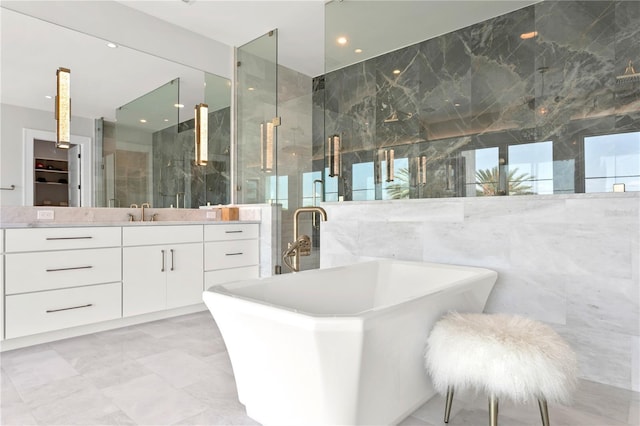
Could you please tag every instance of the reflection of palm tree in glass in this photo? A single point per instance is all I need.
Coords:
(488, 181)
(400, 186)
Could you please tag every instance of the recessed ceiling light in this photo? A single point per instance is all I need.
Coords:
(48, 96)
(166, 119)
(396, 72)
(358, 50)
(112, 45)
(251, 89)
(142, 120)
(342, 40)
(456, 104)
(526, 36)
(178, 105)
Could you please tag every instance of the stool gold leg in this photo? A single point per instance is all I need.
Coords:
(447, 407)
(493, 410)
(544, 412)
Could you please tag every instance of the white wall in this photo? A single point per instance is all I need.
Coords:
(572, 261)
(14, 119)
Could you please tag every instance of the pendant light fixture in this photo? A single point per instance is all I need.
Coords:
(201, 134)
(334, 156)
(63, 108)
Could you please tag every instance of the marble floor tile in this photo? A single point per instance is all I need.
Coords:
(220, 385)
(89, 402)
(122, 371)
(37, 368)
(149, 400)
(216, 416)
(181, 374)
(413, 421)
(16, 414)
(176, 367)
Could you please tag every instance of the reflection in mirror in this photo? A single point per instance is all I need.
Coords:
(104, 79)
(484, 110)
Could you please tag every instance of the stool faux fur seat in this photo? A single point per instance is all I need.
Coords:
(506, 356)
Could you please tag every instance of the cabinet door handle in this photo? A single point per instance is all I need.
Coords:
(162, 268)
(69, 269)
(68, 238)
(172, 259)
(234, 254)
(233, 232)
(67, 309)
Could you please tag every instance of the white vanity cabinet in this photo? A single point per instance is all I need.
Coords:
(61, 277)
(161, 267)
(231, 253)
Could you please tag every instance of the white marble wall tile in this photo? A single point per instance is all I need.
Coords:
(605, 209)
(603, 356)
(485, 244)
(558, 257)
(397, 211)
(149, 400)
(577, 249)
(635, 367)
(604, 303)
(391, 240)
(519, 209)
(608, 401)
(540, 296)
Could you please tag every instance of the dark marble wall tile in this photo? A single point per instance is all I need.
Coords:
(627, 56)
(177, 180)
(445, 86)
(487, 86)
(502, 65)
(397, 97)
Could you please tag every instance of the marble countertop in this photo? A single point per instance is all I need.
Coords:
(125, 224)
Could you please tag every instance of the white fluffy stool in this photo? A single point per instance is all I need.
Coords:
(506, 356)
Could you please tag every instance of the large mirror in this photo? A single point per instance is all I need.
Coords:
(132, 115)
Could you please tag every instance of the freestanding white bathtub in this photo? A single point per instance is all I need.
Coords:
(340, 346)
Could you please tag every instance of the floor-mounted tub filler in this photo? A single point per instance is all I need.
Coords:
(343, 345)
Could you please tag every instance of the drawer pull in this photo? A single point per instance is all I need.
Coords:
(234, 254)
(69, 269)
(68, 238)
(67, 309)
(233, 232)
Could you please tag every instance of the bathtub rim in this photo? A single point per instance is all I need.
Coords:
(222, 290)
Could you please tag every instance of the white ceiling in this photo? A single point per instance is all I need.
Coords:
(300, 25)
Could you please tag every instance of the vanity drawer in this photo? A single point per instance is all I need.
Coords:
(212, 278)
(56, 309)
(230, 254)
(161, 234)
(26, 272)
(42, 239)
(227, 232)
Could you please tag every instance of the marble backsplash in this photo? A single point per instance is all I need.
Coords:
(572, 261)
